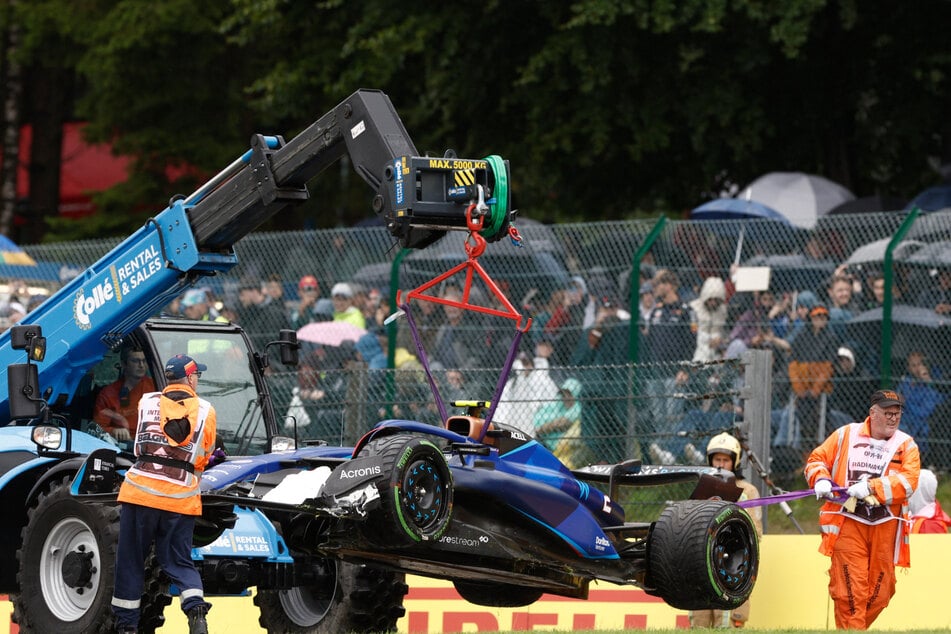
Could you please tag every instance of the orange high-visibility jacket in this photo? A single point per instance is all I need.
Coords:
(165, 486)
(830, 460)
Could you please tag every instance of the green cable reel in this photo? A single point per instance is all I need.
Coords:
(496, 223)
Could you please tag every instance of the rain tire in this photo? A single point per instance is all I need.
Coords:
(415, 492)
(703, 554)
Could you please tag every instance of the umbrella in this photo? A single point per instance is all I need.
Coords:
(736, 209)
(801, 198)
(795, 272)
(932, 199)
(868, 205)
(746, 219)
(931, 226)
(934, 255)
(11, 253)
(376, 275)
(874, 252)
(913, 328)
(330, 333)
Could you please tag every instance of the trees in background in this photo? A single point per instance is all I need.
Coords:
(606, 108)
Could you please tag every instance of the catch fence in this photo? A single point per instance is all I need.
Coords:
(592, 290)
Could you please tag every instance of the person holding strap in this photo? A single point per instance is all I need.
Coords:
(868, 535)
(160, 497)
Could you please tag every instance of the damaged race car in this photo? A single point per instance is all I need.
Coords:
(501, 517)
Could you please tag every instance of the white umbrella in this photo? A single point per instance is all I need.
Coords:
(800, 197)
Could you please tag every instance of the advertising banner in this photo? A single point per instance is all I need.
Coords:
(791, 593)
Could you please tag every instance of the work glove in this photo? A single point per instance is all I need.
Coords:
(217, 456)
(823, 489)
(863, 492)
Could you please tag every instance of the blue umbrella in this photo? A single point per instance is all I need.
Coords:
(932, 199)
(11, 253)
(760, 222)
(736, 209)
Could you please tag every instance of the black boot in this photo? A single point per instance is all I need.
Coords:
(196, 621)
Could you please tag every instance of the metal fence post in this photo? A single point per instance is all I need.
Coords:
(757, 395)
(885, 361)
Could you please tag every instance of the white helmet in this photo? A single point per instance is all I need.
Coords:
(724, 443)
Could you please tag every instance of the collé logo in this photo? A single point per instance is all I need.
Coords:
(85, 305)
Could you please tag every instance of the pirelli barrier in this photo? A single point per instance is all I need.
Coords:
(790, 594)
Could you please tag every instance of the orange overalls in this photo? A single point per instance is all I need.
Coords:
(866, 546)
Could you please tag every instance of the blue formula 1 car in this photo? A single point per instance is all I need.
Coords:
(502, 518)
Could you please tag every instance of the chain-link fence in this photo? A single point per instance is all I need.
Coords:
(883, 324)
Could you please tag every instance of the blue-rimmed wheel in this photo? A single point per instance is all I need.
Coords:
(415, 492)
(703, 554)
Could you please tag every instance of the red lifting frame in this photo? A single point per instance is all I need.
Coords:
(475, 246)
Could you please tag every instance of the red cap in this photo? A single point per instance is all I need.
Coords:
(307, 281)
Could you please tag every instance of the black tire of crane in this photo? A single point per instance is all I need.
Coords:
(363, 599)
(98, 522)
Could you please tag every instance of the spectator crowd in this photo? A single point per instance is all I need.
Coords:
(570, 384)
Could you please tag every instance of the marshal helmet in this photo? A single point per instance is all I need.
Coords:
(724, 443)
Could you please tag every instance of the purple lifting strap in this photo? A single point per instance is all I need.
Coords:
(424, 361)
(787, 496)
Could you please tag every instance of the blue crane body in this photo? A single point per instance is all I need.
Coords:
(111, 302)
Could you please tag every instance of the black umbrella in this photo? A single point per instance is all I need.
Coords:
(913, 328)
(538, 263)
(931, 226)
(376, 275)
(869, 205)
(520, 269)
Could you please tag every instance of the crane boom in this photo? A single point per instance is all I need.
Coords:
(420, 198)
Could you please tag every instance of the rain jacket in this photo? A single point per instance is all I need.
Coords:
(524, 393)
(710, 325)
(926, 513)
(893, 488)
(169, 468)
(566, 444)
